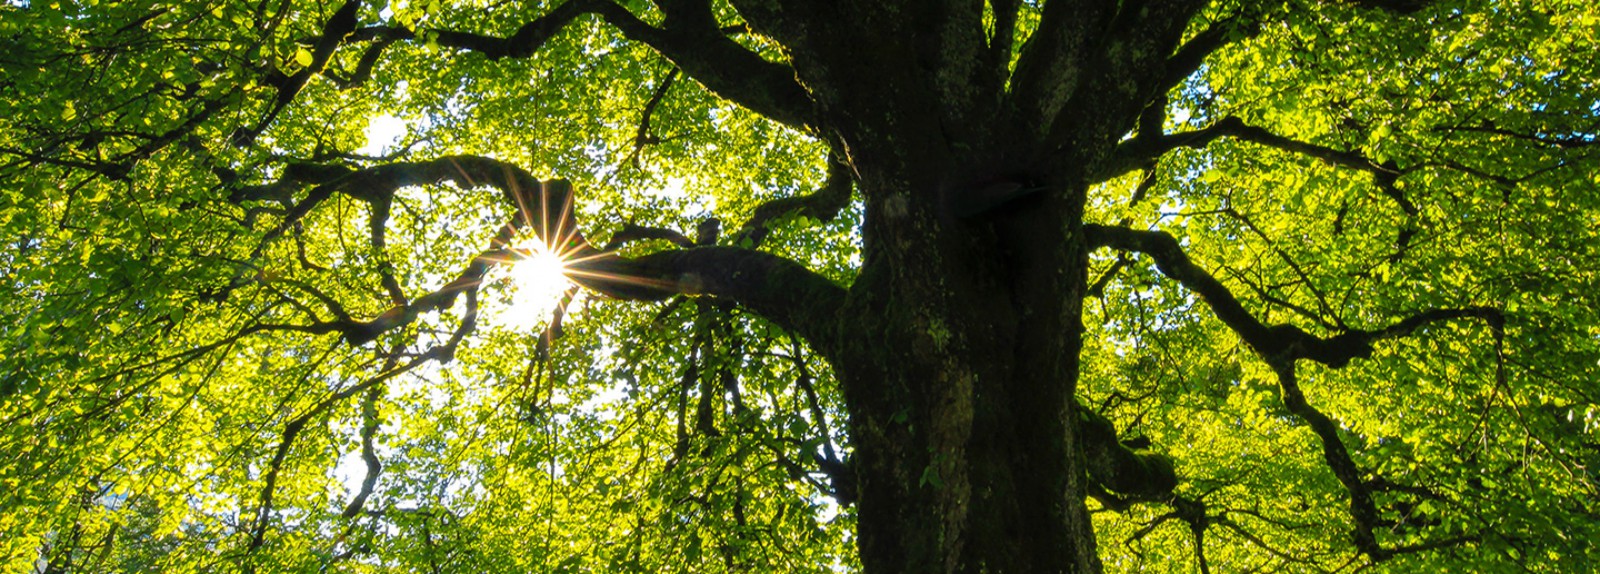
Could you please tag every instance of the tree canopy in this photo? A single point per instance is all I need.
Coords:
(1016, 285)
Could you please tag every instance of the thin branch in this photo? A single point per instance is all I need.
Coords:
(369, 454)
(1569, 142)
(1305, 278)
(334, 31)
(1274, 341)
(643, 136)
(1338, 458)
(363, 71)
(1134, 153)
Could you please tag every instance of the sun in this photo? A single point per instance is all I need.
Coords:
(538, 280)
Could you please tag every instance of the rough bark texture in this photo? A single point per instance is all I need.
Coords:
(961, 412)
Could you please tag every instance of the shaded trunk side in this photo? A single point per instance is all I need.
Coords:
(959, 370)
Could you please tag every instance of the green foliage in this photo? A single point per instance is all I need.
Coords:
(1482, 110)
(162, 408)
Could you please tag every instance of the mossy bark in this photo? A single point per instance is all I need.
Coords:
(959, 362)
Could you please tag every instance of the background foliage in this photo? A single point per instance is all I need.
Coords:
(161, 411)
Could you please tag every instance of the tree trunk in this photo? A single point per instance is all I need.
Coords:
(959, 371)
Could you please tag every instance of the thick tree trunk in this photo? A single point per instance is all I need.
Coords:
(958, 350)
(960, 372)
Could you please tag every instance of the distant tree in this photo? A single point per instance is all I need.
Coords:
(897, 286)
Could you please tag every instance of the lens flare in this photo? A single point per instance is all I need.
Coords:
(539, 279)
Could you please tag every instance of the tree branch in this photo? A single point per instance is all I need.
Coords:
(1570, 142)
(695, 44)
(1114, 71)
(1193, 53)
(781, 290)
(334, 31)
(1137, 152)
(1282, 345)
(824, 204)
(632, 232)
(1139, 475)
(643, 136)
(1399, 7)
(1338, 458)
(778, 289)
(693, 41)
(1141, 151)
(1049, 67)
(369, 454)
(1282, 341)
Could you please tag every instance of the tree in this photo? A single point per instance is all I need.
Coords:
(1009, 286)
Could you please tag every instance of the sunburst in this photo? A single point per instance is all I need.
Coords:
(539, 281)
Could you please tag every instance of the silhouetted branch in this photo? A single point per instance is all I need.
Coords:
(698, 46)
(824, 204)
(632, 232)
(334, 31)
(1338, 458)
(1193, 53)
(1568, 142)
(1136, 152)
(1282, 345)
(776, 288)
(369, 454)
(1274, 341)
(643, 136)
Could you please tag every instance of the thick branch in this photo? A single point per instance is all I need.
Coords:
(699, 48)
(1137, 474)
(1126, 63)
(1049, 68)
(1003, 37)
(778, 289)
(526, 41)
(781, 290)
(1193, 53)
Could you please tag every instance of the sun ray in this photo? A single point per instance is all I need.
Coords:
(539, 282)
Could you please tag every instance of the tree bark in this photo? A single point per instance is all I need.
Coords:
(959, 371)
